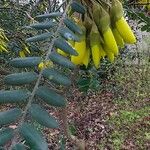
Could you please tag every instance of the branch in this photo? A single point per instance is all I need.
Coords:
(39, 78)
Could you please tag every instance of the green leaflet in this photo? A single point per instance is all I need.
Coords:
(20, 78)
(40, 37)
(50, 15)
(68, 34)
(50, 96)
(59, 59)
(25, 62)
(33, 137)
(75, 6)
(5, 135)
(19, 147)
(72, 26)
(56, 77)
(14, 96)
(42, 116)
(63, 45)
(42, 25)
(9, 116)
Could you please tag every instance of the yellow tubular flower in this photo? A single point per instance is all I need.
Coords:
(110, 57)
(44, 65)
(118, 38)
(96, 55)
(110, 41)
(125, 31)
(41, 66)
(80, 47)
(95, 45)
(22, 54)
(62, 52)
(86, 58)
(102, 52)
(109, 54)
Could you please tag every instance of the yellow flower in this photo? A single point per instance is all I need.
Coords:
(118, 38)
(86, 58)
(80, 48)
(110, 57)
(22, 53)
(102, 52)
(109, 54)
(44, 65)
(110, 41)
(96, 55)
(125, 31)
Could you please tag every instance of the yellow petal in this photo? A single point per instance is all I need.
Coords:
(111, 57)
(80, 48)
(125, 31)
(48, 63)
(109, 54)
(22, 54)
(110, 41)
(41, 66)
(96, 55)
(118, 38)
(86, 58)
(102, 52)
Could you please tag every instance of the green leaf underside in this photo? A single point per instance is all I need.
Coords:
(77, 7)
(68, 34)
(50, 15)
(43, 25)
(40, 37)
(33, 137)
(60, 60)
(56, 77)
(20, 78)
(5, 135)
(19, 147)
(25, 62)
(50, 96)
(42, 116)
(14, 96)
(10, 116)
(72, 26)
(63, 45)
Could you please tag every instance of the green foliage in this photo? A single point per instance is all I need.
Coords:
(5, 135)
(42, 116)
(33, 137)
(63, 45)
(50, 96)
(20, 78)
(19, 147)
(9, 116)
(14, 96)
(60, 60)
(26, 62)
(56, 77)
